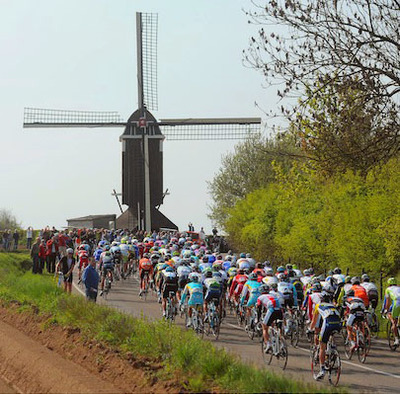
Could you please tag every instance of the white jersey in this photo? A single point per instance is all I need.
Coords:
(305, 280)
(368, 286)
(183, 270)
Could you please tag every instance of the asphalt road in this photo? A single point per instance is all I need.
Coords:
(380, 373)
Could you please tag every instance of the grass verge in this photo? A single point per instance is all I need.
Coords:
(200, 366)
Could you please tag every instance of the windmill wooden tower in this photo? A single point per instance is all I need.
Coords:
(143, 137)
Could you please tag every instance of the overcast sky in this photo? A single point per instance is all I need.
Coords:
(81, 54)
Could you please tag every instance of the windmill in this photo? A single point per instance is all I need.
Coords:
(143, 136)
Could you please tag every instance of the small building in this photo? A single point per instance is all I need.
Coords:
(93, 221)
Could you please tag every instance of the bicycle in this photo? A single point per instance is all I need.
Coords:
(170, 309)
(362, 342)
(146, 280)
(333, 363)
(390, 335)
(213, 320)
(278, 346)
(107, 283)
(252, 325)
(291, 329)
(197, 320)
(373, 322)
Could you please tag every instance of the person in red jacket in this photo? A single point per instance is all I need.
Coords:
(51, 254)
(42, 254)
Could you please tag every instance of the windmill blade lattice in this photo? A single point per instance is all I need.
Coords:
(149, 60)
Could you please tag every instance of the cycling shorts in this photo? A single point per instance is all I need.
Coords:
(395, 309)
(143, 273)
(68, 279)
(169, 288)
(373, 300)
(107, 267)
(212, 295)
(272, 315)
(196, 298)
(182, 282)
(328, 327)
(355, 316)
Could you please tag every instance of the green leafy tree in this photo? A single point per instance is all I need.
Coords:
(8, 220)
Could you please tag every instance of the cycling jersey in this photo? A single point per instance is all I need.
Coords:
(250, 293)
(331, 320)
(393, 294)
(213, 289)
(356, 309)
(360, 292)
(237, 284)
(289, 293)
(269, 280)
(272, 303)
(194, 291)
(313, 300)
(372, 292)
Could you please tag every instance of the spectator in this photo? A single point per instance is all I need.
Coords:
(6, 239)
(42, 254)
(202, 234)
(51, 254)
(16, 239)
(91, 278)
(62, 244)
(35, 254)
(66, 266)
(29, 236)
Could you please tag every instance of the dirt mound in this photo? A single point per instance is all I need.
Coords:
(36, 356)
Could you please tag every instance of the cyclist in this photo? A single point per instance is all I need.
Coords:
(272, 303)
(106, 268)
(168, 286)
(250, 293)
(372, 290)
(288, 290)
(213, 291)
(237, 285)
(391, 306)
(359, 291)
(183, 272)
(193, 290)
(330, 323)
(269, 278)
(145, 269)
(259, 271)
(356, 313)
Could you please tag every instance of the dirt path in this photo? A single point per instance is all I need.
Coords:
(57, 360)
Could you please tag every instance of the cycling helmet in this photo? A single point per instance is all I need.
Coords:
(365, 278)
(280, 269)
(242, 255)
(253, 276)
(70, 251)
(337, 271)
(274, 286)
(306, 272)
(194, 278)
(392, 281)
(264, 288)
(316, 288)
(355, 280)
(347, 279)
(240, 271)
(267, 263)
(205, 259)
(169, 269)
(246, 271)
(208, 274)
(289, 267)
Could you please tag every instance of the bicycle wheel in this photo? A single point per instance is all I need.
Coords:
(267, 357)
(361, 350)
(283, 354)
(335, 368)
(390, 336)
(295, 335)
(314, 350)
(347, 344)
(374, 326)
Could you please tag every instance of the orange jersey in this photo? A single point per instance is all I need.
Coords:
(145, 264)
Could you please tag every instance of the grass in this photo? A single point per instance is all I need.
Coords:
(200, 365)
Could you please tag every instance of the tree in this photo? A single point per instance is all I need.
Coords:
(341, 40)
(342, 128)
(8, 220)
(248, 169)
